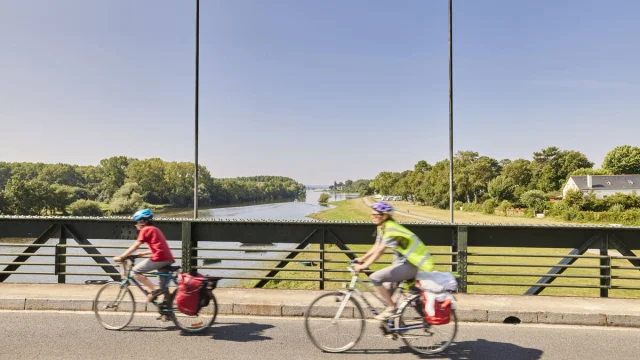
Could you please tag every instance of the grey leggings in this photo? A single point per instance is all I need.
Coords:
(393, 274)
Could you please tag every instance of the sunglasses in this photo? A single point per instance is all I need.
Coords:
(377, 214)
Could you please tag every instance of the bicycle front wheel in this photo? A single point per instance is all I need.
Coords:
(334, 323)
(197, 322)
(114, 306)
(426, 339)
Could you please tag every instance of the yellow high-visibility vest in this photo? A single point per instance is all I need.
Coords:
(415, 251)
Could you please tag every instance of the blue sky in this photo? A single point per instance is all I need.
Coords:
(315, 90)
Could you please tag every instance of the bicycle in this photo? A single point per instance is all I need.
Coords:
(122, 302)
(409, 317)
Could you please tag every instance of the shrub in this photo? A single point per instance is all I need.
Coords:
(504, 206)
(489, 206)
(534, 200)
(85, 208)
(324, 198)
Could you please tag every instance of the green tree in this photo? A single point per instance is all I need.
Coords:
(60, 197)
(27, 197)
(4, 205)
(127, 199)
(113, 174)
(623, 160)
(85, 208)
(587, 171)
(534, 199)
(501, 188)
(462, 175)
(483, 170)
(61, 174)
(552, 166)
(324, 198)
(5, 174)
(519, 171)
(26, 171)
(149, 174)
(384, 182)
(435, 188)
(573, 198)
(422, 167)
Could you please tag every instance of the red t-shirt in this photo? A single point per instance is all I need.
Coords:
(157, 243)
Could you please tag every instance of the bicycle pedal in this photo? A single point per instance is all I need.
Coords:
(163, 318)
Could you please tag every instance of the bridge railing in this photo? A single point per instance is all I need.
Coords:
(566, 260)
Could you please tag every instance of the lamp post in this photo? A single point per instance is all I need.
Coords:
(195, 176)
(451, 109)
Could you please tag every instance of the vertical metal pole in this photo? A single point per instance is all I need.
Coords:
(195, 176)
(324, 231)
(61, 258)
(451, 108)
(463, 240)
(187, 248)
(605, 270)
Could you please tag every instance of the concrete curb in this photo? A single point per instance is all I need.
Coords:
(297, 310)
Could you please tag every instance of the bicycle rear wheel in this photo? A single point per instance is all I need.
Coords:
(114, 306)
(198, 322)
(428, 339)
(330, 332)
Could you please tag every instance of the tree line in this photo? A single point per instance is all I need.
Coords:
(360, 186)
(126, 184)
(521, 182)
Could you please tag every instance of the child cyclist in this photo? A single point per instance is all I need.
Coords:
(158, 249)
(410, 255)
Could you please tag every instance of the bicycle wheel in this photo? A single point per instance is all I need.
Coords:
(332, 333)
(198, 322)
(114, 306)
(429, 339)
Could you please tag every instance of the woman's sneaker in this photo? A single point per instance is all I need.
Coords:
(387, 314)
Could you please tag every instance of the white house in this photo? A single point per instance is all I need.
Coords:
(603, 185)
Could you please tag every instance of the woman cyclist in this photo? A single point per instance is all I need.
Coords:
(410, 255)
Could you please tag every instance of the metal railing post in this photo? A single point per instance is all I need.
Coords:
(60, 256)
(189, 252)
(462, 240)
(322, 259)
(605, 270)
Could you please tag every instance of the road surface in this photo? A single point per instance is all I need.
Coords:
(77, 335)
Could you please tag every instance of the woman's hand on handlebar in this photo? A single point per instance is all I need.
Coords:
(132, 256)
(358, 268)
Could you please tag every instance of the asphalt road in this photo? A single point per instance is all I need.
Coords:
(77, 335)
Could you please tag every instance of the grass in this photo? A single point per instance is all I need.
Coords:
(486, 268)
(350, 210)
(467, 217)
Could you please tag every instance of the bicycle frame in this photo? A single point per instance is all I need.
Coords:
(130, 279)
(353, 289)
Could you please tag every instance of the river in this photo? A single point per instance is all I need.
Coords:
(284, 211)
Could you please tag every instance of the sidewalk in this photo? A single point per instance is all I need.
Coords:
(267, 302)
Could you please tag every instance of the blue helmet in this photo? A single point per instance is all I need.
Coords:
(144, 214)
(382, 207)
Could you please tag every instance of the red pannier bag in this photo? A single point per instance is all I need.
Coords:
(188, 293)
(442, 309)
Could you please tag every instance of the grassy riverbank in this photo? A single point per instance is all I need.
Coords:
(356, 210)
